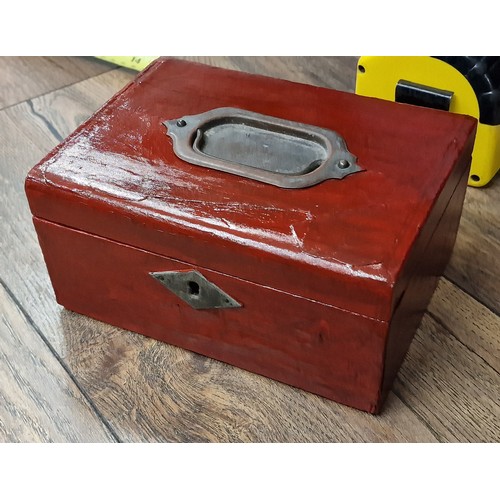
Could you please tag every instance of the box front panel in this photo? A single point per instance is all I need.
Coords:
(304, 343)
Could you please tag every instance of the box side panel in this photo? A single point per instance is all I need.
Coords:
(412, 264)
(300, 342)
(413, 304)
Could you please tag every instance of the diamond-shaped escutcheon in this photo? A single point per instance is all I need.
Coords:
(192, 287)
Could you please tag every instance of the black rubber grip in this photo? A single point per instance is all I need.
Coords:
(483, 73)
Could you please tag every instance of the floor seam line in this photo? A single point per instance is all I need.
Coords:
(419, 417)
(55, 90)
(35, 327)
(442, 325)
(479, 301)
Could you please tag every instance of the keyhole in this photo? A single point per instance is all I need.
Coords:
(193, 288)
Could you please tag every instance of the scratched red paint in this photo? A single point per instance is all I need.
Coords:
(365, 250)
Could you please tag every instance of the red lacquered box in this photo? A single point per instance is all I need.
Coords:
(294, 231)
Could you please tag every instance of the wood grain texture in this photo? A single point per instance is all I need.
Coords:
(473, 324)
(450, 387)
(29, 131)
(333, 72)
(152, 391)
(474, 265)
(28, 77)
(39, 401)
(148, 391)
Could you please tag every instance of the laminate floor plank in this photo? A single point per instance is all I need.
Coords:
(23, 78)
(450, 387)
(334, 72)
(482, 207)
(149, 391)
(39, 402)
(475, 264)
(28, 136)
(470, 322)
(161, 392)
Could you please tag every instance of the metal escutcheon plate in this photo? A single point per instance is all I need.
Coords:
(193, 288)
(263, 148)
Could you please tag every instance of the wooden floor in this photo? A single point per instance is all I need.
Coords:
(65, 377)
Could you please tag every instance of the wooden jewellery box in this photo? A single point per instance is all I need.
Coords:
(294, 231)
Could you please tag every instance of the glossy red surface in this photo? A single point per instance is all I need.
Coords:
(425, 265)
(288, 338)
(356, 244)
(344, 242)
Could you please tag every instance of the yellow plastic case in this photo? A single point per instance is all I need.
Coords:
(378, 76)
(138, 63)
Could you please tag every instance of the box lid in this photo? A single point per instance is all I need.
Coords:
(341, 242)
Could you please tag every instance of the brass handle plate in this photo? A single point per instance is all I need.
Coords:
(264, 148)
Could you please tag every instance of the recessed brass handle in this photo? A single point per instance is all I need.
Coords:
(263, 148)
